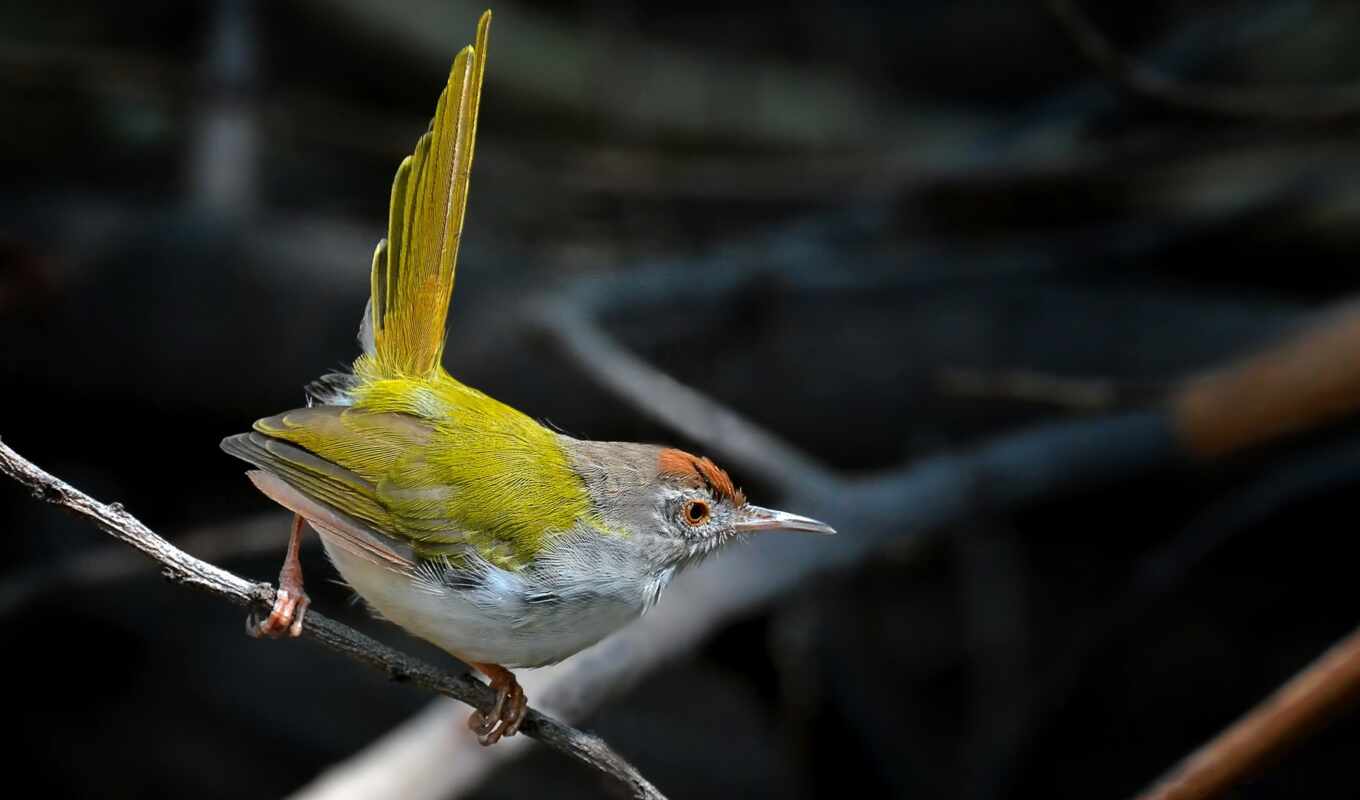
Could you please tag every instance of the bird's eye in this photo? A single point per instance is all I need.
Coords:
(696, 512)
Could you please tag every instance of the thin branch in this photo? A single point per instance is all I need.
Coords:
(181, 568)
(1292, 711)
(1295, 104)
(1028, 386)
(1022, 730)
(723, 431)
(1297, 384)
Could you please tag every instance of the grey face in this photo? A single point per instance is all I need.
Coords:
(675, 506)
(697, 518)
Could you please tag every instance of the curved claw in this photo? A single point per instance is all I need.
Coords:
(515, 714)
(290, 602)
(506, 714)
(285, 618)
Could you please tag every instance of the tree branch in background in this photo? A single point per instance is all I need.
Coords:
(1028, 386)
(663, 398)
(1021, 731)
(182, 568)
(1298, 384)
(1294, 710)
(1294, 104)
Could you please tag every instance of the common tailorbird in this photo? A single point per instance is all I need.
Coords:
(462, 520)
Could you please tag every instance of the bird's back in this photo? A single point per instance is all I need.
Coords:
(433, 463)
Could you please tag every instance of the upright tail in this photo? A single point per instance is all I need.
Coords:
(413, 268)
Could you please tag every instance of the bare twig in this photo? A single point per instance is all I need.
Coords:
(1076, 394)
(182, 568)
(1295, 104)
(1288, 714)
(1298, 384)
(710, 423)
(1022, 730)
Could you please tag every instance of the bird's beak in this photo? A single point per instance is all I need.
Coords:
(755, 519)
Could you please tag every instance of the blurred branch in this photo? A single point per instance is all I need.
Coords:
(1075, 394)
(1298, 384)
(1301, 383)
(181, 568)
(632, 81)
(1021, 731)
(1280, 720)
(1295, 104)
(665, 399)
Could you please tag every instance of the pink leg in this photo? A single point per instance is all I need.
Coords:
(508, 712)
(290, 603)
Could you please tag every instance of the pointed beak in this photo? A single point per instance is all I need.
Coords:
(755, 519)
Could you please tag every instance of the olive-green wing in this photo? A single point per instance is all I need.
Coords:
(318, 479)
(377, 467)
(345, 531)
(413, 268)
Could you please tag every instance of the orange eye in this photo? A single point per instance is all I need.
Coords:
(696, 512)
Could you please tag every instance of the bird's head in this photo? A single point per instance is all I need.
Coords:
(686, 504)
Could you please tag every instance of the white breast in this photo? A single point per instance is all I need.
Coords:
(514, 619)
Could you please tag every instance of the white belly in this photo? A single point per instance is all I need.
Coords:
(507, 618)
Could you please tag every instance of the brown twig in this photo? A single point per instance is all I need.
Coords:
(1298, 384)
(1295, 104)
(1281, 720)
(181, 568)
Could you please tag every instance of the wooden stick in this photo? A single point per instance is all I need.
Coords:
(1299, 384)
(1288, 715)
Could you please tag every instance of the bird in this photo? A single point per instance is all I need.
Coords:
(462, 520)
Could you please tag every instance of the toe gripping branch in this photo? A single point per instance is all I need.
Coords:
(290, 601)
(290, 608)
(508, 711)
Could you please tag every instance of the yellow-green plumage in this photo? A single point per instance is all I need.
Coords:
(416, 454)
(442, 466)
(455, 516)
(413, 271)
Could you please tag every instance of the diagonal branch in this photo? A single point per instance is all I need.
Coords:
(181, 568)
(1295, 709)
(720, 429)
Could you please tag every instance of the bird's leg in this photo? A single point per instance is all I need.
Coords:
(507, 713)
(290, 602)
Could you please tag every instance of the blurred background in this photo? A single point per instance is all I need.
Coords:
(982, 275)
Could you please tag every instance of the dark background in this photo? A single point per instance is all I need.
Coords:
(886, 209)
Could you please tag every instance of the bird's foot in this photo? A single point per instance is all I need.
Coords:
(508, 712)
(285, 618)
(290, 601)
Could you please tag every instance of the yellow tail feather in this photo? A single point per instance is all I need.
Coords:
(413, 268)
